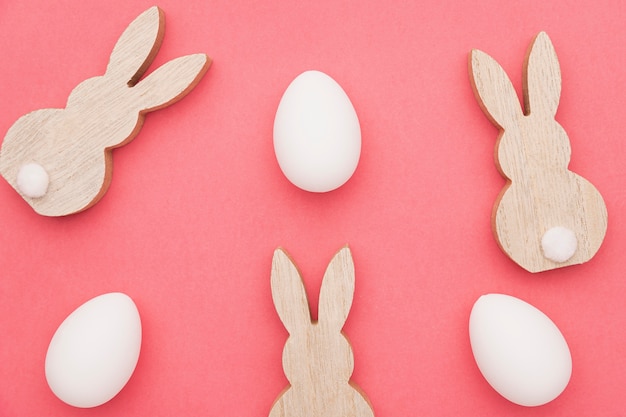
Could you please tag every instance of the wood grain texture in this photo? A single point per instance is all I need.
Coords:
(317, 358)
(74, 145)
(533, 154)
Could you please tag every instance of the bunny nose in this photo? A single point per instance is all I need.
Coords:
(559, 244)
(32, 180)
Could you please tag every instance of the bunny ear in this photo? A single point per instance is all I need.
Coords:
(493, 90)
(171, 81)
(289, 294)
(136, 48)
(337, 290)
(542, 78)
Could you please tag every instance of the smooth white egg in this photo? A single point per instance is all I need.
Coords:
(519, 350)
(317, 135)
(94, 351)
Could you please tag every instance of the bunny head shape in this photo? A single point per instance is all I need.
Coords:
(60, 160)
(546, 216)
(317, 358)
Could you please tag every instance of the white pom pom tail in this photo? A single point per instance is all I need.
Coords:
(559, 244)
(32, 180)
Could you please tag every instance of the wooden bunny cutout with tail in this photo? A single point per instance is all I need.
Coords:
(60, 160)
(317, 358)
(546, 216)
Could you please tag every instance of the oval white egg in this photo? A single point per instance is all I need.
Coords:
(519, 350)
(317, 136)
(93, 353)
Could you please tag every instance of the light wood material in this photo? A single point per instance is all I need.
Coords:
(317, 358)
(533, 153)
(74, 144)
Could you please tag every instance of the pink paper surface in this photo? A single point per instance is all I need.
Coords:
(198, 203)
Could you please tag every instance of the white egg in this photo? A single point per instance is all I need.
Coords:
(94, 351)
(317, 136)
(519, 350)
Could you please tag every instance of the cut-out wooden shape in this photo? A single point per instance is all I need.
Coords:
(546, 216)
(59, 160)
(317, 358)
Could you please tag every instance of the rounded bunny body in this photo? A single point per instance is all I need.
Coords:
(33, 139)
(317, 358)
(328, 353)
(533, 153)
(56, 138)
(73, 145)
(333, 399)
(577, 214)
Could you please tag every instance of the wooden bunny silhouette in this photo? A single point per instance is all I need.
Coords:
(546, 216)
(60, 160)
(317, 358)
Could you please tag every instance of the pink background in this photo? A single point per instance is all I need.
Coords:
(198, 203)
